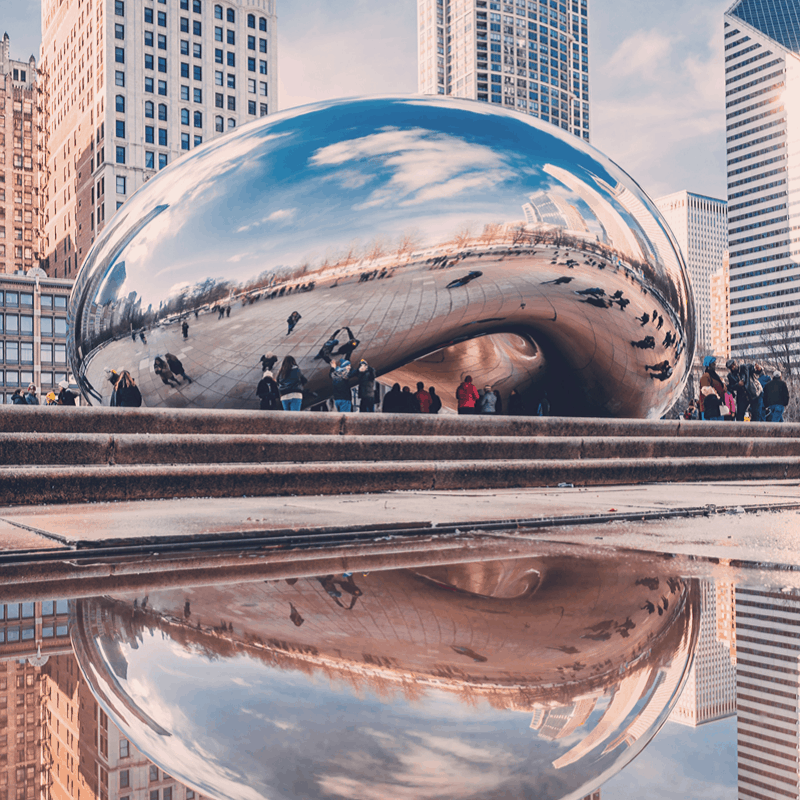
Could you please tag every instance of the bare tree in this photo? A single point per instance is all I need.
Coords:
(463, 236)
(491, 231)
(780, 343)
(375, 249)
(409, 242)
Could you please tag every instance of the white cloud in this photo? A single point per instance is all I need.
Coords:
(426, 166)
(642, 53)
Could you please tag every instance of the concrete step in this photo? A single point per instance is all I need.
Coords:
(80, 484)
(39, 419)
(131, 449)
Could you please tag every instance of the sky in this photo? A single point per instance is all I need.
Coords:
(656, 74)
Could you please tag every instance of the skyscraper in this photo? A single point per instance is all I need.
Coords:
(762, 102)
(721, 311)
(522, 54)
(20, 162)
(700, 226)
(130, 87)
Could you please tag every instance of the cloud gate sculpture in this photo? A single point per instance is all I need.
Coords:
(433, 238)
(519, 677)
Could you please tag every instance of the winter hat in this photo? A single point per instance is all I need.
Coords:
(776, 374)
(709, 360)
(267, 374)
(63, 384)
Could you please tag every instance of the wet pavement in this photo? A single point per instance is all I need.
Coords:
(370, 647)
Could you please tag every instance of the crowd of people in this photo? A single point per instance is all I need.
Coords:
(30, 396)
(747, 392)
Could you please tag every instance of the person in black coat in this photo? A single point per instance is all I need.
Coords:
(436, 401)
(267, 391)
(393, 402)
(126, 392)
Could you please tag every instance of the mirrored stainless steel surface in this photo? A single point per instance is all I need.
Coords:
(412, 226)
(532, 677)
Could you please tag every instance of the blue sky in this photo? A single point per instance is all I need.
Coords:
(656, 74)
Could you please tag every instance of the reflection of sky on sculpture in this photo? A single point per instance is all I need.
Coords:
(295, 184)
(242, 729)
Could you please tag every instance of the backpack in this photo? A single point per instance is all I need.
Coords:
(754, 387)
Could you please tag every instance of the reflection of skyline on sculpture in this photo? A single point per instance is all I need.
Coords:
(296, 208)
(500, 665)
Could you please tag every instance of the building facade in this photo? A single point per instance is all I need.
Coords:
(762, 101)
(721, 311)
(132, 86)
(521, 54)
(33, 332)
(700, 226)
(20, 162)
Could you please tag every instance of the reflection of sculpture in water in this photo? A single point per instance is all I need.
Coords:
(427, 266)
(559, 661)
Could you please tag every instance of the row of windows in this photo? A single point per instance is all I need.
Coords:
(12, 352)
(27, 634)
(11, 299)
(22, 324)
(22, 378)
(27, 610)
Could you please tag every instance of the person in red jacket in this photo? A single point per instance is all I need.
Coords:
(467, 396)
(423, 398)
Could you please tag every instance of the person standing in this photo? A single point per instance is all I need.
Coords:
(487, 403)
(290, 384)
(293, 319)
(436, 401)
(340, 378)
(66, 397)
(737, 380)
(31, 397)
(423, 398)
(17, 399)
(268, 393)
(467, 396)
(366, 386)
(711, 403)
(776, 397)
(712, 379)
(410, 403)
(543, 409)
(185, 329)
(126, 392)
(393, 400)
(516, 406)
(176, 365)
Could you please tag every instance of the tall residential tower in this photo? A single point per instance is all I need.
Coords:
(522, 54)
(762, 102)
(700, 226)
(130, 87)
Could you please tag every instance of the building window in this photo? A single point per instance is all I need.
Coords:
(149, 160)
(119, 55)
(264, 111)
(219, 100)
(120, 129)
(184, 141)
(251, 85)
(162, 112)
(197, 27)
(184, 5)
(231, 59)
(263, 88)
(198, 140)
(197, 7)
(162, 137)
(251, 42)
(262, 24)
(218, 79)
(184, 47)
(162, 41)
(119, 78)
(119, 31)
(119, 8)
(231, 103)
(251, 20)
(149, 134)
(148, 61)
(162, 88)
(218, 57)
(149, 109)
(119, 104)
(61, 330)
(162, 160)
(148, 16)
(231, 15)
(262, 67)
(197, 50)
(162, 64)
(184, 25)
(184, 116)
(251, 107)
(148, 38)
(162, 19)
(185, 93)
(231, 123)
(217, 34)
(198, 119)
(219, 124)
(217, 12)
(197, 72)
(231, 81)
(262, 45)
(148, 85)
(121, 184)
(184, 70)
(251, 64)
(120, 155)
(231, 36)
(198, 95)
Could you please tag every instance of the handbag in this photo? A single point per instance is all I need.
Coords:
(724, 411)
